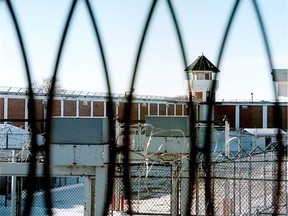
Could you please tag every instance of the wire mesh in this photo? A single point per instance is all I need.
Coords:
(150, 190)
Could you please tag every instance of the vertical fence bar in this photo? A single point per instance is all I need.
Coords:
(175, 189)
(197, 191)
(100, 190)
(234, 186)
(249, 186)
(265, 183)
(88, 196)
(13, 188)
(286, 164)
(184, 187)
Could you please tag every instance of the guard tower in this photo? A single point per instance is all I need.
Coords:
(202, 75)
(280, 76)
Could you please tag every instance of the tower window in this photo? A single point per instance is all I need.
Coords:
(207, 77)
(200, 76)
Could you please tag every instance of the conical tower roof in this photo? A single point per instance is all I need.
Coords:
(202, 64)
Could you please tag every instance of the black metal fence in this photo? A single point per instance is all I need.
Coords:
(209, 185)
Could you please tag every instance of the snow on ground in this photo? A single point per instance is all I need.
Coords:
(67, 200)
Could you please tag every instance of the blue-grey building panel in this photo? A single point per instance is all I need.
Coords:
(79, 131)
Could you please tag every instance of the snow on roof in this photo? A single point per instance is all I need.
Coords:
(8, 128)
(13, 137)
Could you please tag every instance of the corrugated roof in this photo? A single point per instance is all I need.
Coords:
(202, 64)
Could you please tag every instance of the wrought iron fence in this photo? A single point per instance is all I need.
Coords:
(207, 190)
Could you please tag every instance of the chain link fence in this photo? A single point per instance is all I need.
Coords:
(245, 186)
(150, 189)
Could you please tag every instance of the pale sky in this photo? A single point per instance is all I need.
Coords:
(244, 68)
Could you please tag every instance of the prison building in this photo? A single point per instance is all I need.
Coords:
(241, 114)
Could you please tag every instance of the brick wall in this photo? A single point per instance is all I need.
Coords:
(178, 109)
(98, 108)
(122, 110)
(143, 112)
(40, 115)
(220, 111)
(56, 108)
(16, 110)
(162, 109)
(153, 109)
(84, 108)
(251, 116)
(69, 107)
(171, 109)
(284, 119)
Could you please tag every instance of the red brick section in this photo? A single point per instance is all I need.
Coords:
(186, 109)
(122, 110)
(1, 109)
(84, 108)
(107, 109)
(39, 109)
(153, 109)
(39, 115)
(143, 111)
(171, 109)
(251, 116)
(178, 109)
(220, 111)
(56, 108)
(284, 120)
(16, 110)
(98, 108)
(162, 109)
(69, 107)
(134, 116)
